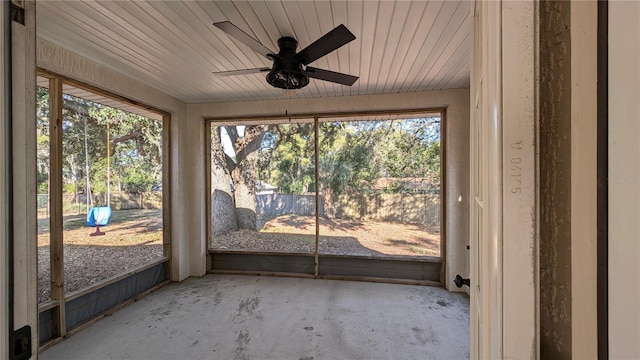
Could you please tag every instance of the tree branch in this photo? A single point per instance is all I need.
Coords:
(252, 138)
(231, 165)
(232, 131)
(130, 136)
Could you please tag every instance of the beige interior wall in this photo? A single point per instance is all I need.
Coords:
(457, 146)
(186, 151)
(624, 179)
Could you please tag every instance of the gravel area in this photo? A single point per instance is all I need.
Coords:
(290, 233)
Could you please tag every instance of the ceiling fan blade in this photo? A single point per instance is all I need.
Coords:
(236, 33)
(330, 41)
(241, 72)
(332, 76)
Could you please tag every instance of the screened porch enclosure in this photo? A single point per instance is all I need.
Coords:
(356, 195)
(101, 237)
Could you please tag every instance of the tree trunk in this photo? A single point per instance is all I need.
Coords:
(244, 182)
(242, 168)
(243, 172)
(223, 219)
(329, 198)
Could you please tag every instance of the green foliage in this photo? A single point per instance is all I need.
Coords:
(287, 158)
(358, 156)
(43, 183)
(138, 181)
(98, 139)
(98, 172)
(407, 157)
(42, 126)
(334, 173)
(393, 188)
(43, 164)
(354, 156)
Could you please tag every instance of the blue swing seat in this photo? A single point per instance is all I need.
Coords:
(99, 216)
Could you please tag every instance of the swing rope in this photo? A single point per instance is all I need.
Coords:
(100, 216)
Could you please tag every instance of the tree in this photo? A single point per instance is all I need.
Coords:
(280, 154)
(223, 210)
(353, 155)
(287, 158)
(240, 166)
(42, 128)
(412, 150)
(135, 147)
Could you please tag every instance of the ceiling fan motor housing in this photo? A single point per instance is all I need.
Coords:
(287, 73)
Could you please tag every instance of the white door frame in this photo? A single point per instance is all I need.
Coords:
(520, 178)
(504, 305)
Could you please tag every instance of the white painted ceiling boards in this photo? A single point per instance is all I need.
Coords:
(400, 46)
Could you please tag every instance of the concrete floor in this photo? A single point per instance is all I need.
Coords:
(249, 317)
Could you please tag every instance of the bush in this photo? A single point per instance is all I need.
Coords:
(137, 181)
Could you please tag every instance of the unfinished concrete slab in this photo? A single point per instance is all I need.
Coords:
(251, 317)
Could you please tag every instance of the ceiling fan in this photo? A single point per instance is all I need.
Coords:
(290, 70)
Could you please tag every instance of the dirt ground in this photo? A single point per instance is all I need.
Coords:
(133, 238)
(291, 233)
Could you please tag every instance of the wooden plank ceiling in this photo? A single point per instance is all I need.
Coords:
(400, 46)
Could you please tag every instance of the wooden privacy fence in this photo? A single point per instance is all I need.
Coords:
(127, 201)
(76, 204)
(284, 204)
(401, 208)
